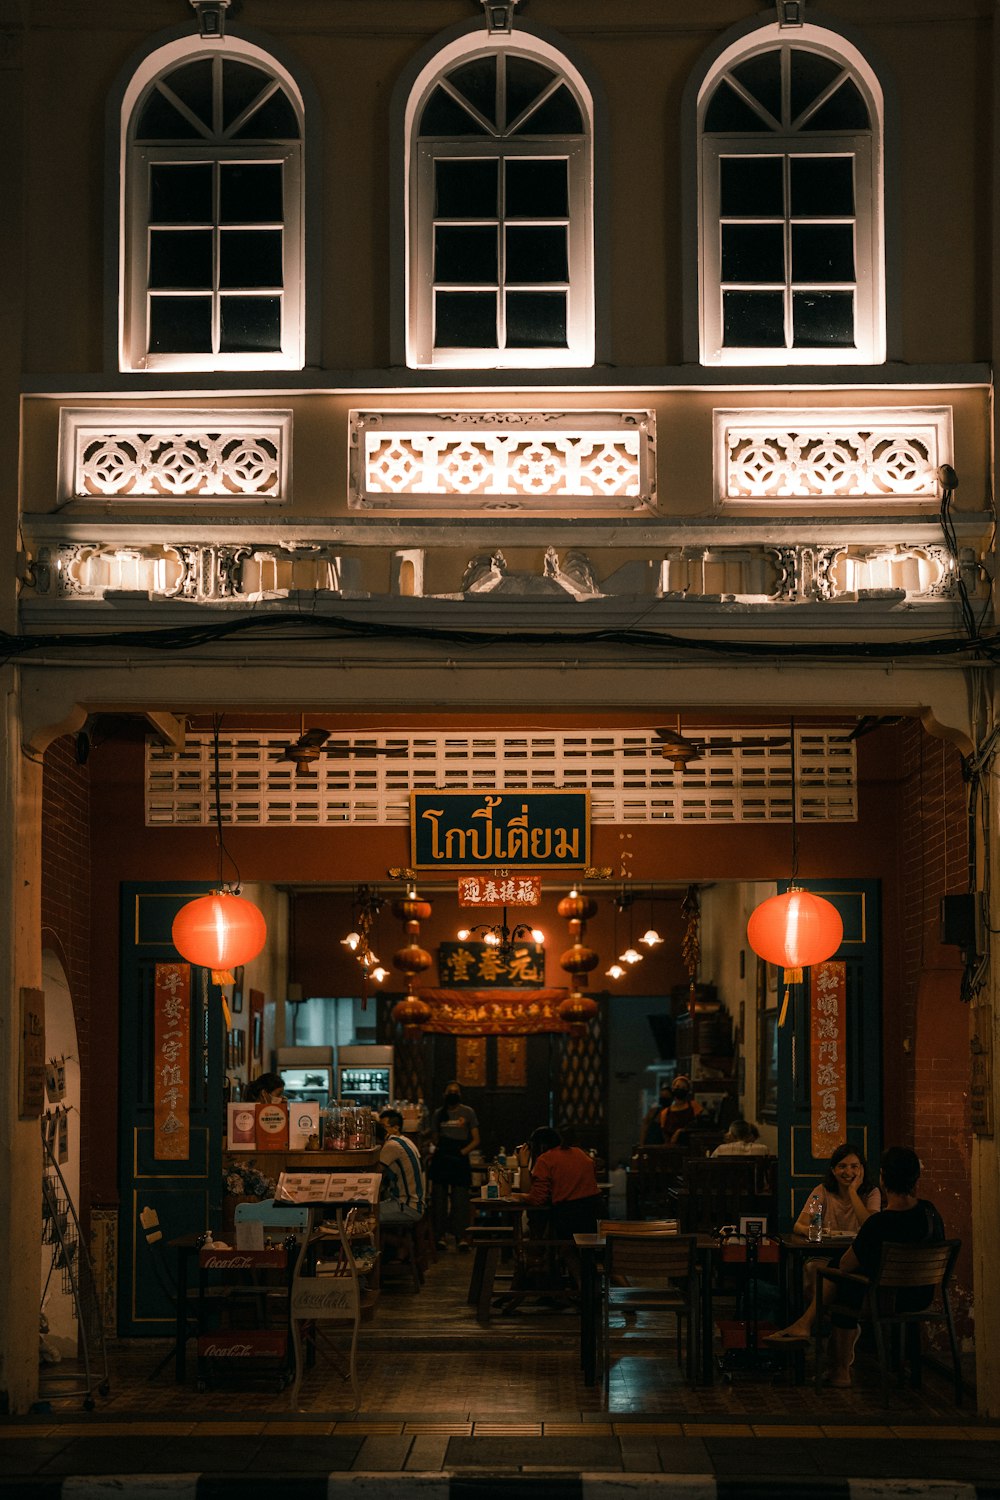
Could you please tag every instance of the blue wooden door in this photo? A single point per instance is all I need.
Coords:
(187, 1195)
(858, 902)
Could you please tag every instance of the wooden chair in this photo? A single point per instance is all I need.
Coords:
(721, 1189)
(902, 1268)
(655, 1177)
(655, 1273)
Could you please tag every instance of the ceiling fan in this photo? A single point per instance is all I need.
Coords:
(312, 745)
(681, 752)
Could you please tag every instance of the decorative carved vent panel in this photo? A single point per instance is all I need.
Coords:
(174, 455)
(628, 779)
(581, 1080)
(508, 460)
(886, 455)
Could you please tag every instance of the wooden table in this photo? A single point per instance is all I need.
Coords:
(796, 1249)
(590, 1248)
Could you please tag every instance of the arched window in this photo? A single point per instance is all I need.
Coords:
(211, 225)
(500, 232)
(791, 249)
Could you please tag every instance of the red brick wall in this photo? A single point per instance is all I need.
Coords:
(66, 907)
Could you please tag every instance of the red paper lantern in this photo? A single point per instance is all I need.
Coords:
(219, 931)
(576, 1009)
(795, 929)
(411, 1013)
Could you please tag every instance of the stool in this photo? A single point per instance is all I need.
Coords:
(489, 1243)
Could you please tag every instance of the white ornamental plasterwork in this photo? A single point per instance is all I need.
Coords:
(174, 455)
(883, 454)
(509, 460)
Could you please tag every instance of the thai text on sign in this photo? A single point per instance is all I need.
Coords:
(516, 830)
(828, 1051)
(499, 890)
(172, 1062)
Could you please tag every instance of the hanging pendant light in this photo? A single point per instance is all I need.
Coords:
(222, 930)
(651, 938)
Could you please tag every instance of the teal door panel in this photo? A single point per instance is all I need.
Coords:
(858, 902)
(186, 1194)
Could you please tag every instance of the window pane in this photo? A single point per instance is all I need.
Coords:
(274, 121)
(465, 254)
(180, 258)
(536, 320)
(465, 320)
(250, 257)
(810, 75)
(751, 186)
(822, 319)
(180, 195)
(753, 320)
(753, 252)
(250, 325)
(536, 254)
(250, 193)
(822, 185)
(844, 110)
(443, 115)
(822, 252)
(761, 77)
(192, 83)
(559, 115)
(241, 85)
(180, 325)
(536, 189)
(729, 114)
(477, 81)
(525, 81)
(465, 189)
(160, 120)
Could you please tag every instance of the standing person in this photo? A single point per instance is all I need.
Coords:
(404, 1195)
(847, 1193)
(651, 1131)
(742, 1139)
(681, 1113)
(455, 1135)
(565, 1177)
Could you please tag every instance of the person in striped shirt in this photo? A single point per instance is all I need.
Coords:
(403, 1190)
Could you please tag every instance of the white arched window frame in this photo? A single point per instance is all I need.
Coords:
(502, 145)
(216, 148)
(863, 223)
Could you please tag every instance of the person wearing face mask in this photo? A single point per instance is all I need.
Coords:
(681, 1113)
(455, 1135)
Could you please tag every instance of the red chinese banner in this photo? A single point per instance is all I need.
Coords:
(499, 890)
(172, 1062)
(828, 1051)
(494, 1012)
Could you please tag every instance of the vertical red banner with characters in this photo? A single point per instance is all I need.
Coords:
(828, 1032)
(172, 1062)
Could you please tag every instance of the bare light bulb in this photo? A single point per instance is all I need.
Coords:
(464, 935)
(538, 935)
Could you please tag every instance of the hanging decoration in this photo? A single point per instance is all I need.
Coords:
(691, 942)
(222, 930)
(367, 905)
(578, 960)
(411, 1012)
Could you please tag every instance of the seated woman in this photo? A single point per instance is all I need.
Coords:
(565, 1178)
(543, 1138)
(742, 1139)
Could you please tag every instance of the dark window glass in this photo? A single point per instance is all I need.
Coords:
(465, 189)
(180, 195)
(844, 110)
(822, 252)
(751, 186)
(753, 252)
(250, 193)
(753, 320)
(250, 257)
(536, 189)
(465, 255)
(536, 254)
(192, 83)
(536, 320)
(822, 320)
(443, 115)
(477, 81)
(761, 77)
(241, 85)
(821, 186)
(180, 258)
(180, 325)
(810, 75)
(729, 114)
(559, 115)
(525, 81)
(274, 121)
(465, 320)
(250, 325)
(160, 120)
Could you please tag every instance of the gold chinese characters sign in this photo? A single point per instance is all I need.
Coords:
(494, 1012)
(171, 1062)
(472, 965)
(828, 1036)
(515, 830)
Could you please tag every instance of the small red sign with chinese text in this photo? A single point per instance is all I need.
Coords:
(828, 1036)
(172, 1062)
(499, 890)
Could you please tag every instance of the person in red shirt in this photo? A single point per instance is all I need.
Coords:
(565, 1179)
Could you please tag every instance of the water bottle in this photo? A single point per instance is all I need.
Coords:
(815, 1218)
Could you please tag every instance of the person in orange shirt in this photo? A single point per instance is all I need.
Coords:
(565, 1178)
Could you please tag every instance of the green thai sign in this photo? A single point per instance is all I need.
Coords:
(500, 830)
